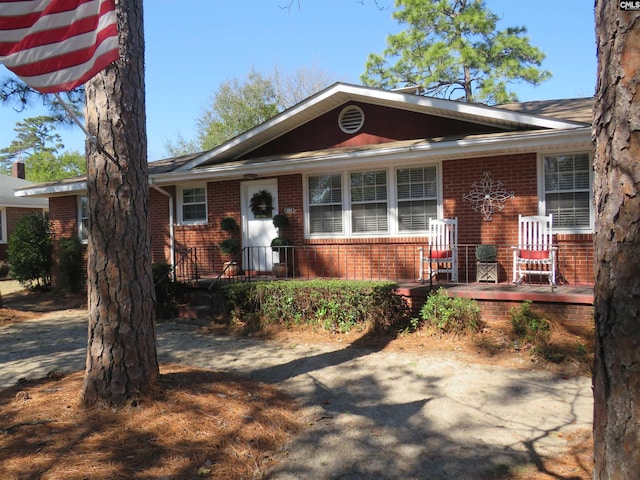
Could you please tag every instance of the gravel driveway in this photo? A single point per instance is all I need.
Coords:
(371, 414)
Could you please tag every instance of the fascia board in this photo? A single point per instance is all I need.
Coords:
(52, 190)
(480, 112)
(464, 148)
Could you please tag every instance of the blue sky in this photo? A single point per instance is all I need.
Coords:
(192, 46)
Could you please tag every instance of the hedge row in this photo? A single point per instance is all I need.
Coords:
(336, 305)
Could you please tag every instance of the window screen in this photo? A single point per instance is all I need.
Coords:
(417, 198)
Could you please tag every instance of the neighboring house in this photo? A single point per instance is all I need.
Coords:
(359, 171)
(13, 208)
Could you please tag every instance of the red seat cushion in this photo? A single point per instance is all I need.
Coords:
(440, 254)
(534, 254)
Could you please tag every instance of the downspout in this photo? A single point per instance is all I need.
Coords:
(172, 245)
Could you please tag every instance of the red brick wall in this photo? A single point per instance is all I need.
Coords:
(518, 174)
(13, 215)
(290, 195)
(382, 257)
(64, 221)
(223, 200)
(567, 313)
(159, 224)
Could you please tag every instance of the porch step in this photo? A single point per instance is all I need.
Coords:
(194, 305)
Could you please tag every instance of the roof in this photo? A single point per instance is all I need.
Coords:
(340, 93)
(8, 199)
(573, 109)
(529, 125)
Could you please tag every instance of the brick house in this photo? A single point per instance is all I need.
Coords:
(13, 208)
(358, 172)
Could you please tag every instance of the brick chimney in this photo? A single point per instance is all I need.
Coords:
(17, 170)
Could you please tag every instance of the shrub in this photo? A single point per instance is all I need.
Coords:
(71, 263)
(165, 303)
(278, 242)
(280, 221)
(449, 314)
(529, 324)
(230, 246)
(486, 253)
(228, 224)
(331, 304)
(4, 269)
(30, 249)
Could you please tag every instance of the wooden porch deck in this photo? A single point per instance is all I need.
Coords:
(506, 291)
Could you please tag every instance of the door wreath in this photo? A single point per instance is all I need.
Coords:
(261, 204)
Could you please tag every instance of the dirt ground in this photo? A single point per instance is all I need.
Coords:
(204, 435)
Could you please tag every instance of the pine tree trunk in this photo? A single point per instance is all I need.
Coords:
(121, 355)
(616, 131)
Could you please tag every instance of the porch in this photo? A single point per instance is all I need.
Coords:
(571, 298)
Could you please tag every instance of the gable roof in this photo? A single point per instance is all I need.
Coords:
(340, 93)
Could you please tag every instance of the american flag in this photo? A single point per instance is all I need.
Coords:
(57, 45)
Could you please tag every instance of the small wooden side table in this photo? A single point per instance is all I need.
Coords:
(487, 272)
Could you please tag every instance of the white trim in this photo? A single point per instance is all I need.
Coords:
(306, 206)
(348, 203)
(50, 190)
(542, 189)
(437, 151)
(180, 194)
(79, 199)
(392, 200)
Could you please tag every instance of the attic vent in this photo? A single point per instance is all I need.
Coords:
(351, 119)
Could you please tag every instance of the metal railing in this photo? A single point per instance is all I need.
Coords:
(397, 262)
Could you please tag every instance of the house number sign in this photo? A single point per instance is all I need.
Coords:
(487, 196)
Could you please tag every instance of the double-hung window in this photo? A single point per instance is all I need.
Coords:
(193, 205)
(83, 219)
(567, 190)
(369, 207)
(417, 190)
(325, 204)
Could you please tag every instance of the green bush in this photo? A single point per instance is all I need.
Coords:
(529, 324)
(331, 304)
(71, 263)
(449, 314)
(4, 269)
(165, 301)
(30, 249)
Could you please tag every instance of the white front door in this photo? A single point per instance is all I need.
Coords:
(258, 230)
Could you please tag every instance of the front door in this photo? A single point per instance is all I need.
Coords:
(258, 229)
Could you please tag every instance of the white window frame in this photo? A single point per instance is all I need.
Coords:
(350, 202)
(542, 190)
(392, 201)
(309, 205)
(181, 204)
(80, 199)
(437, 197)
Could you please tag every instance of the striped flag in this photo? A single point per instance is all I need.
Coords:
(57, 45)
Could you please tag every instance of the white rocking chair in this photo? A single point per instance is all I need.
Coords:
(535, 253)
(441, 256)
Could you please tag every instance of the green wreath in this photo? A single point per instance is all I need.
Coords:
(261, 204)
